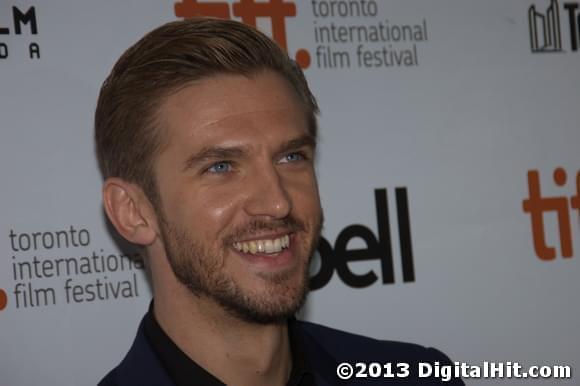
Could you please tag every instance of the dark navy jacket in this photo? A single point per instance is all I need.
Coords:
(324, 347)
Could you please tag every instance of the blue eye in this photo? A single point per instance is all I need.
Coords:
(220, 167)
(293, 157)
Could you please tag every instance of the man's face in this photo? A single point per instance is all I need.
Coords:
(239, 207)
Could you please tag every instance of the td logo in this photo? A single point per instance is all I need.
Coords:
(249, 11)
(545, 27)
(377, 248)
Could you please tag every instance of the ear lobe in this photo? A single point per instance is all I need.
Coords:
(126, 207)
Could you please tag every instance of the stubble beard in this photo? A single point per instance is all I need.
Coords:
(201, 270)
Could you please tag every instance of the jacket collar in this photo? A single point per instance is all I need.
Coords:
(142, 367)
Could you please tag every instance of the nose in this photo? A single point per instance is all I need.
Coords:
(267, 194)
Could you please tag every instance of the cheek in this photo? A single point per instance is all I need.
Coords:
(305, 196)
(207, 212)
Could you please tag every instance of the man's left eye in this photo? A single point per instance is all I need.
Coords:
(292, 157)
(220, 167)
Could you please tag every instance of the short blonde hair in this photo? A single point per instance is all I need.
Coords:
(163, 61)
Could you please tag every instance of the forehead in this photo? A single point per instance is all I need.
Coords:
(262, 106)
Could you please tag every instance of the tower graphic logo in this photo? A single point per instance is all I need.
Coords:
(545, 35)
(546, 27)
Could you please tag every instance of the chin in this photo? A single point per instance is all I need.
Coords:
(273, 303)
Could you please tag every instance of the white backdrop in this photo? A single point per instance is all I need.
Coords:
(469, 110)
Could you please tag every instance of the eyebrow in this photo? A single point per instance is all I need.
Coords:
(305, 140)
(220, 152)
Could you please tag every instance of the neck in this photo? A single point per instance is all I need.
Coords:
(231, 349)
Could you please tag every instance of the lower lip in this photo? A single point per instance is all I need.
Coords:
(279, 261)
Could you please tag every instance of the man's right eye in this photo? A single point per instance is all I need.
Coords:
(220, 167)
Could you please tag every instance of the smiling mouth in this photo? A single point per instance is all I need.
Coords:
(266, 246)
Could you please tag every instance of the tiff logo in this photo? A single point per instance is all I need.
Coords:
(545, 27)
(248, 11)
(20, 19)
(537, 206)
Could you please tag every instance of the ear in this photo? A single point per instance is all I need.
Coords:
(130, 211)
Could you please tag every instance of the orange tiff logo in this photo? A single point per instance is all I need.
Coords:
(249, 11)
(537, 206)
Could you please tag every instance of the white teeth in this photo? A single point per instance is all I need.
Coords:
(276, 245)
(263, 246)
(269, 246)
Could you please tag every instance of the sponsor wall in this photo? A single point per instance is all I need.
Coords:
(449, 172)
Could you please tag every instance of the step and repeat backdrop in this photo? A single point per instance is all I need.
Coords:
(449, 171)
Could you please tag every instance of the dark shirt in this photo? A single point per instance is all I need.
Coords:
(185, 372)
